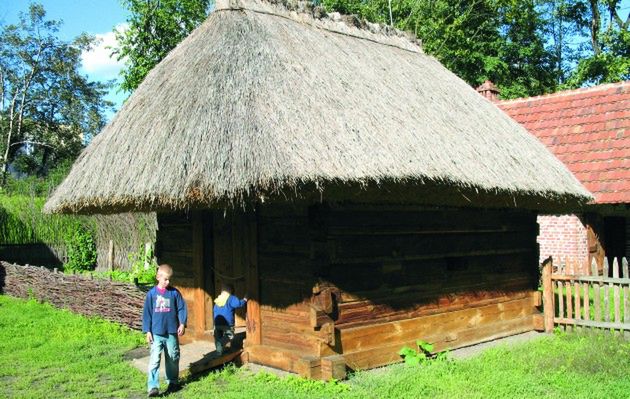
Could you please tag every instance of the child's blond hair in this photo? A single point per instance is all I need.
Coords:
(165, 269)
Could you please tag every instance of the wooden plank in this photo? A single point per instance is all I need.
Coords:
(626, 292)
(596, 293)
(577, 300)
(569, 299)
(590, 323)
(368, 312)
(590, 279)
(616, 289)
(212, 361)
(560, 290)
(387, 353)
(199, 302)
(444, 324)
(606, 309)
(280, 358)
(548, 295)
(254, 323)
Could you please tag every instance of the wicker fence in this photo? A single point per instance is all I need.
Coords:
(595, 298)
(114, 301)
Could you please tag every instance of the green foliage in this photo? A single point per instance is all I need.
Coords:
(81, 251)
(48, 108)
(140, 273)
(419, 355)
(22, 222)
(155, 27)
(525, 47)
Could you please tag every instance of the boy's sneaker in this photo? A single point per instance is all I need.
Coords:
(154, 392)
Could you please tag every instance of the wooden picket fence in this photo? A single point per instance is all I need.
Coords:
(593, 299)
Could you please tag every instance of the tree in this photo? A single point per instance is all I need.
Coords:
(607, 55)
(155, 27)
(501, 40)
(47, 108)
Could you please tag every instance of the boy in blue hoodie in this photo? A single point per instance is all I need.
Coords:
(163, 320)
(224, 306)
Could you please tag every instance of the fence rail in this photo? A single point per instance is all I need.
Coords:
(591, 299)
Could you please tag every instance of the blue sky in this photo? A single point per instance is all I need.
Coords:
(96, 17)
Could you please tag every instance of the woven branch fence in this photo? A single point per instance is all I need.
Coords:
(114, 301)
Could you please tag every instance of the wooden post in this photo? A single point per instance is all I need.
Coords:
(110, 256)
(596, 293)
(616, 288)
(199, 309)
(254, 322)
(626, 292)
(548, 304)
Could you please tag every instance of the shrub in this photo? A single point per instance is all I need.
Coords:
(138, 260)
(81, 251)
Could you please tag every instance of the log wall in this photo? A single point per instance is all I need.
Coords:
(363, 281)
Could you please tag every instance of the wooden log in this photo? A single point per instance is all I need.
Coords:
(436, 327)
(387, 353)
(333, 368)
(110, 256)
(367, 312)
(283, 359)
(548, 304)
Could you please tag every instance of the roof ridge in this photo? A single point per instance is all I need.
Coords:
(303, 11)
(564, 93)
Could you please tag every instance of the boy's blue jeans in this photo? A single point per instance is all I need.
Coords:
(170, 345)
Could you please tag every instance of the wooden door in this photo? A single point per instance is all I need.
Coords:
(234, 237)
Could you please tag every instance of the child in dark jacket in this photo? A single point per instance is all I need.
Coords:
(224, 306)
(163, 320)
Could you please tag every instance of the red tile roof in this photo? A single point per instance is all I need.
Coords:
(587, 129)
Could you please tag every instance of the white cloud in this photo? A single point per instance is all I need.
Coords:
(98, 62)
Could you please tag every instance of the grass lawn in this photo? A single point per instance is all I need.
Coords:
(49, 353)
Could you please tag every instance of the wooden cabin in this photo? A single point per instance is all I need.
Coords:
(361, 195)
(350, 285)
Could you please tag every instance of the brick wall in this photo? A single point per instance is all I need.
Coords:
(562, 236)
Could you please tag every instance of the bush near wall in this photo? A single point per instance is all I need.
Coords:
(114, 301)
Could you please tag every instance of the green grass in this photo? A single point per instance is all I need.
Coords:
(48, 353)
(51, 353)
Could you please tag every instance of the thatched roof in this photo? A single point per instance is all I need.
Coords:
(260, 101)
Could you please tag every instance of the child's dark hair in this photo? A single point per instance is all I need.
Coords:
(227, 287)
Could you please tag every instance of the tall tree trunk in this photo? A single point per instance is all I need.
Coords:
(595, 26)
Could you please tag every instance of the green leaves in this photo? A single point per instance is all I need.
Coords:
(526, 47)
(81, 251)
(47, 108)
(154, 28)
(416, 357)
